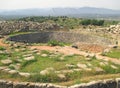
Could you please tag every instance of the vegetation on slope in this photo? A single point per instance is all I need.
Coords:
(67, 22)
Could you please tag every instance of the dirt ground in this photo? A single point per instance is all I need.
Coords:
(68, 50)
(2, 44)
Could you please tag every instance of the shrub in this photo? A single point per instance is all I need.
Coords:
(92, 22)
(2, 48)
(55, 43)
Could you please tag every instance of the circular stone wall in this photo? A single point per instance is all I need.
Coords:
(68, 37)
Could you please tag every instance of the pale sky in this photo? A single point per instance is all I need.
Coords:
(25, 4)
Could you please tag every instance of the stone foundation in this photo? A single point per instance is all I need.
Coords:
(110, 83)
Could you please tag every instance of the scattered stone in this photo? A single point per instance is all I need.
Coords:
(102, 64)
(23, 49)
(98, 69)
(29, 58)
(44, 55)
(20, 85)
(70, 66)
(106, 51)
(88, 69)
(13, 72)
(47, 71)
(88, 59)
(1, 68)
(44, 72)
(27, 55)
(114, 67)
(89, 64)
(24, 74)
(17, 50)
(6, 62)
(6, 70)
(38, 53)
(61, 76)
(35, 51)
(83, 66)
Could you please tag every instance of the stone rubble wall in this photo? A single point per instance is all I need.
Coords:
(7, 27)
(110, 83)
(68, 37)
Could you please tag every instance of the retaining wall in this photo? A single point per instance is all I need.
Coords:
(96, 84)
(68, 37)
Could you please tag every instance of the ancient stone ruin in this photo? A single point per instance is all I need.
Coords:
(67, 37)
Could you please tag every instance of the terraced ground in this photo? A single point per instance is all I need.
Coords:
(62, 65)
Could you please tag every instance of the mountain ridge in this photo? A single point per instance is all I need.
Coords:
(83, 12)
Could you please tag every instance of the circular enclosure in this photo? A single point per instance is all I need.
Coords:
(67, 37)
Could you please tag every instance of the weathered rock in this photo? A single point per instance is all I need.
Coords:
(83, 66)
(102, 64)
(6, 62)
(44, 72)
(47, 71)
(6, 70)
(98, 69)
(78, 86)
(28, 55)
(61, 76)
(114, 67)
(13, 72)
(3, 67)
(29, 58)
(70, 66)
(44, 55)
(20, 85)
(24, 74)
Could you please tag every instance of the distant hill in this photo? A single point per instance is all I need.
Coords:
(74, 12)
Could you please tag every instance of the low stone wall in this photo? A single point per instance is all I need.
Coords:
(110, 83)
(96, 84)
(68, 37)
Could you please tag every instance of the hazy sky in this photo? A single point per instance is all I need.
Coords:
(24, 4)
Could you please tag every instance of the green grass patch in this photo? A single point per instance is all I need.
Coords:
(114, 53)
(46, 62)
